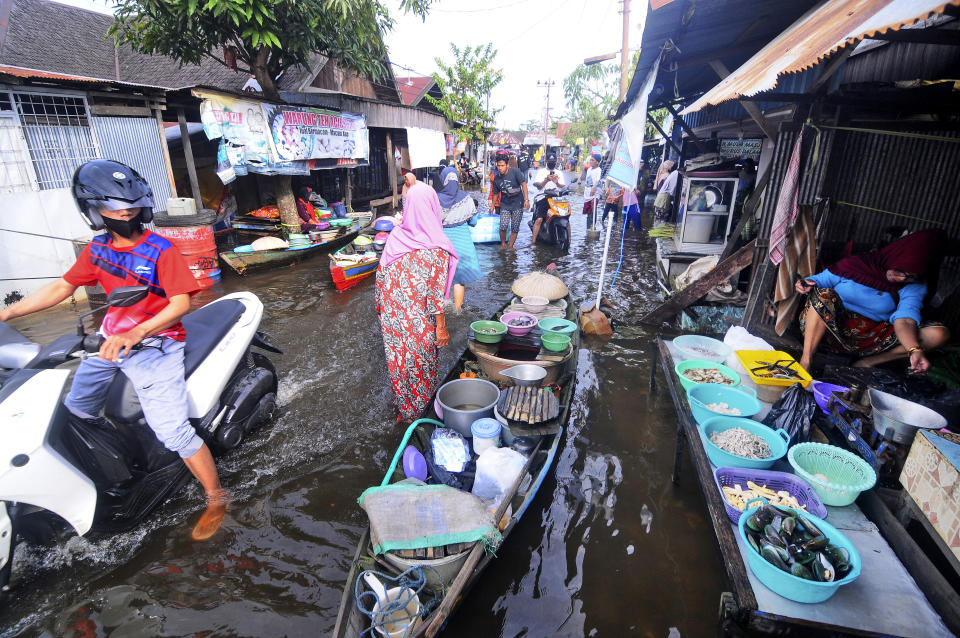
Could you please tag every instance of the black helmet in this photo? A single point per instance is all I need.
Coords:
(107, 184)
(551, 157)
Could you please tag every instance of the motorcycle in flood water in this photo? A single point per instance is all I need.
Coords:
(555, 229)
(108, 474)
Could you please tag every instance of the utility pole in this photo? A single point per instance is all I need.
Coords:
(483, 166)
(624, 49)
(546, 115)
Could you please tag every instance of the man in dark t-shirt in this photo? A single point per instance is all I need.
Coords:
(511, 184)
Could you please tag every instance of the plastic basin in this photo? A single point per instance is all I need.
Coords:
(700, 395)
(704, 348)
(793, 587)
(558, 326)
(776, 481)
(822, 391)
(838, 476)
(555, 342)
(479, 327)
(683, 366)
(778, 440)
(518, 331)
(535, 303)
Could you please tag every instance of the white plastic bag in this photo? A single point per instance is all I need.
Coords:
(497, 469)
(738, 338)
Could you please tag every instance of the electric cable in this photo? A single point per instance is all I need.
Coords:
(623, 236)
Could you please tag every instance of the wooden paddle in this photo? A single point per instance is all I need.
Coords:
(449, 600)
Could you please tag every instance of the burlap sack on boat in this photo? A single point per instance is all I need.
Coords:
(540, 284)
(405, 516)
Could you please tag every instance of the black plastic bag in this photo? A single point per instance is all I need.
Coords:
(793, 412)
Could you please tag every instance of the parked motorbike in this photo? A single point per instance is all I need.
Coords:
(106, 475)
(555, 229)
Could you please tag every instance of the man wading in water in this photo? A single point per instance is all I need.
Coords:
(510, 183)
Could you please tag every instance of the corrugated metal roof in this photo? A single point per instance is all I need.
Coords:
(830, 26)
(21, 72)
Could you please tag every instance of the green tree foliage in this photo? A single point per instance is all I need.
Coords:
(591, 95)
(262, 37)
(465, 84)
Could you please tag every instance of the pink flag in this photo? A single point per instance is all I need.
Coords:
(786, 211)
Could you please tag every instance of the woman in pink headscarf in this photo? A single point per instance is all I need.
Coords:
(415, 276)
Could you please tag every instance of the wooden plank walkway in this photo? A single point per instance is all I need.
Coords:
(884, 600)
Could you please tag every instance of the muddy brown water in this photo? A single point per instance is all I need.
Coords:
(581, 563)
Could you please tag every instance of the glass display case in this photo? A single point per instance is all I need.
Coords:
(706, 210)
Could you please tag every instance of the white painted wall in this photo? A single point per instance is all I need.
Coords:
(48, 212)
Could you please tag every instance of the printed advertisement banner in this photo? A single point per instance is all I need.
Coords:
(278, 139)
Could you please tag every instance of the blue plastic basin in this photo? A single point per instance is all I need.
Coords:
(778, 440)
(741, 398)
(793, 587)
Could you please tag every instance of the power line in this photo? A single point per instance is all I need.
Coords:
(503, 6)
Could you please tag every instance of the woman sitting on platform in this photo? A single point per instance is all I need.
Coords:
(870, 305)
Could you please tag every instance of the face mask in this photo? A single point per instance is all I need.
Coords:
(125, 229)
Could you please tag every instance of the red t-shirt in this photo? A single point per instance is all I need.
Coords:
(153, 261)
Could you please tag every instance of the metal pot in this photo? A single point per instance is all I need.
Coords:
(478, 395)
(525, 374)
(898, 420)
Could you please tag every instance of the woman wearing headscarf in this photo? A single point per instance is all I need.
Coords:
(457, 212)
(665, 184)
(870, 304)
(415, 275)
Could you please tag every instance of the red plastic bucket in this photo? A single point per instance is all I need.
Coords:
(199, 250)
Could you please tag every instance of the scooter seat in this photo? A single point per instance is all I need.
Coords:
(205, 328)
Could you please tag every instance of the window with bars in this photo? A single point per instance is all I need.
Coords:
(58, 135)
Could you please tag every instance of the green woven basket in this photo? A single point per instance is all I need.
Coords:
(846, 473)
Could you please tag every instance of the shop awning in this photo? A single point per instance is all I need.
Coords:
(828, 27)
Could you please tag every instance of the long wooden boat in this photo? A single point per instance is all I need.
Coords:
(244, 262)
(349, 266)
(458, 567)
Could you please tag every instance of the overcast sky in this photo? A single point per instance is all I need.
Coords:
(536, 40)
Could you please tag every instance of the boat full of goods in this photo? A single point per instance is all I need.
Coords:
(460, 481)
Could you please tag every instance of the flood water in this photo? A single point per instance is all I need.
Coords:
(581, 563)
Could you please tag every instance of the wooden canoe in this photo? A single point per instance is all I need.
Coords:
(242, 263)
(471, 560)
(347, 273)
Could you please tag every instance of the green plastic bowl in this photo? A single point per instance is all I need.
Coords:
(554, 341)
(703, 363)
(556, 325)
(488, 337)
(846, 473)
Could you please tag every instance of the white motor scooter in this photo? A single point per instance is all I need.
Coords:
(59, 472)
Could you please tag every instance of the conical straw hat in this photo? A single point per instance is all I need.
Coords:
(540, 284)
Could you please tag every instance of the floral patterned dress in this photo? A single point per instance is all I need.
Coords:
(409, 292)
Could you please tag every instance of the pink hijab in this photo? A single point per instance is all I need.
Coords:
(421, 229)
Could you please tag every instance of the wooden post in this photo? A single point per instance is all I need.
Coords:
(685, 127)
(349, 198)
(722, 271)
(392, 172)
(752, 109)
(166, 154)
(188, 154)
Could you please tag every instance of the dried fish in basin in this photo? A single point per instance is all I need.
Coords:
(742, 443)
(707, 375)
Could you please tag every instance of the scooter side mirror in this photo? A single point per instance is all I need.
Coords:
(126, 296)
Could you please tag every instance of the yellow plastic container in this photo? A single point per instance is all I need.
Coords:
(750, 359)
